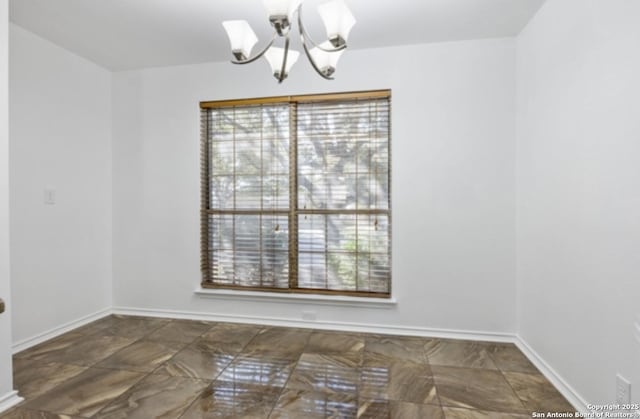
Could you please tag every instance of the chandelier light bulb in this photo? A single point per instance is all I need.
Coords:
(241, 37)
(326, 61)
(281, 13)
(338, 21)
(275, 57)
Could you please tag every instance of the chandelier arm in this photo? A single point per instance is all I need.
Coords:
(311, 60)
(305, 36)
(260, 54)
(284, 60)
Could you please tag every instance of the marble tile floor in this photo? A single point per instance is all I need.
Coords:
(135, 367)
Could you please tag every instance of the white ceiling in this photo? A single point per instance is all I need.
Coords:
(131, 34)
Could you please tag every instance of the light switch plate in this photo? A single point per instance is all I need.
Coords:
(50, 196)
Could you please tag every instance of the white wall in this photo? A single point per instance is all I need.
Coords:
(60, 139)
(6, 382)
(578, 202)
(454, 199)
(453, 184)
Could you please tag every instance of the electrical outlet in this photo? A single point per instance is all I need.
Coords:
(309, 316)
(623, 390)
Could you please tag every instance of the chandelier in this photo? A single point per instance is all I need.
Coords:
(337, 19)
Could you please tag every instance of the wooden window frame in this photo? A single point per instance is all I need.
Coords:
(293, 212)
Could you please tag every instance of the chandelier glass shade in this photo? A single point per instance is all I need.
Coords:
(338, 21)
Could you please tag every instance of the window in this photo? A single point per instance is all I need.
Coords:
(296, 194)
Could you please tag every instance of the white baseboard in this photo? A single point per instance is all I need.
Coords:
(324, 325)
(56, 331)
(578, 402)
(9, 400)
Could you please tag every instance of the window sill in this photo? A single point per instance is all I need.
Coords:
(315, 299)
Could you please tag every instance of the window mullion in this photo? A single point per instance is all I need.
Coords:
(205, 200)
(262, 174)
(233, 219)
(293, 195)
